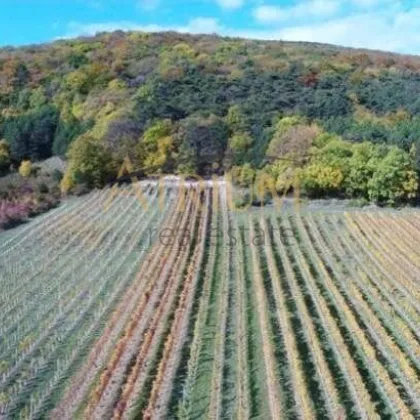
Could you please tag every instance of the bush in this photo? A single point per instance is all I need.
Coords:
(22, 198)
(67, 183)
(25, 168)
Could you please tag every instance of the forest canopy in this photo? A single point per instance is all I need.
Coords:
(181, 103)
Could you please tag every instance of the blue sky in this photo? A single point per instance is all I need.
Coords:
(392, 25)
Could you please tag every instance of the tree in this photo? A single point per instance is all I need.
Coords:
(395, 178)
(203, 142)
(318, 180)
(38, 98)
(84, 79)
(89, 163)
(67, 183)
(67, 130)
(32, 135)
(364, 161)
(237, 151)
(236, 120)
(241, 142)
(157, 147)
(292, 139)
(4, 157)
(25, 168)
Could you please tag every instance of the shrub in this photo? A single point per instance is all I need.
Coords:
(67, 183)
(25, 168)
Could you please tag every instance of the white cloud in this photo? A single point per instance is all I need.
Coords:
(230, 4)
(203, 25)
(196, 26)
(365, 30)
(75, 29)
(408, 19)
(269, 14)
(305, 9)
(391, 29)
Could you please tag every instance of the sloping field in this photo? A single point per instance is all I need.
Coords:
(169, 305)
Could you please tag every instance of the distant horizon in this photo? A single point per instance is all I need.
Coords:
(380, 25)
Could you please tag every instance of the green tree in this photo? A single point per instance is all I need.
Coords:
(4, 157)
(236, 120)
(361, 166)
(89, 163)
(318, 180)
(394, 179)
(84, 79)
(67, 130)
(32, 135)
(203, 141)
(240, 143)
(38, 98)
(238, 150)
(157, 147)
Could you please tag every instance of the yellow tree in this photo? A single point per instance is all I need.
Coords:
(25, 168)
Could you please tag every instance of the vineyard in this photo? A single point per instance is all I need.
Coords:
(171, 305)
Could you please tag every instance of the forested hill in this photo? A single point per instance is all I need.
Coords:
(176, 102)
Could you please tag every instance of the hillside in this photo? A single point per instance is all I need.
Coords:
(181, 103)
(265, 292)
